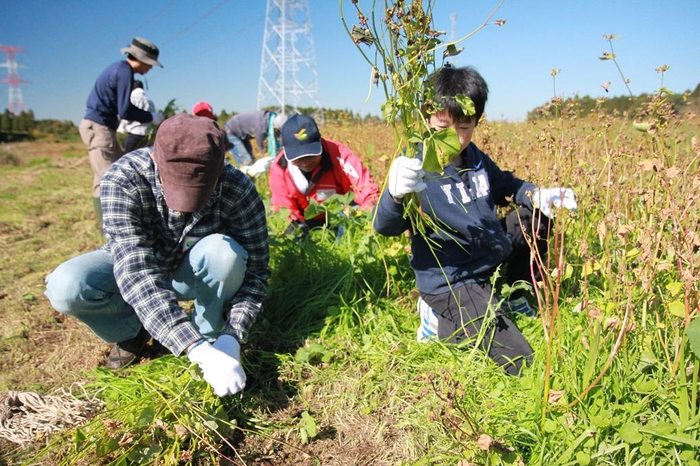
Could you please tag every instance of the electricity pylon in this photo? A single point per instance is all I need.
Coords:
(288, 78)
(15, 103)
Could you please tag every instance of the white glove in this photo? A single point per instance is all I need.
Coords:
(229, 345)
(223, 372)
(258, 168)
(547, 198)
(157, 118)
(405, 176)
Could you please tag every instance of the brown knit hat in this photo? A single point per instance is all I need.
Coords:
(189, 155)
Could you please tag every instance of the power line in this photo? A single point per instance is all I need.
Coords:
(195, 22)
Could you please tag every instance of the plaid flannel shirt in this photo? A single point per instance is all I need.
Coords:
(148, 241)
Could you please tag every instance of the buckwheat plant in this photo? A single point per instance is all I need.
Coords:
(398, 40)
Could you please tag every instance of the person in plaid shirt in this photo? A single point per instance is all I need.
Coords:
(181, 224)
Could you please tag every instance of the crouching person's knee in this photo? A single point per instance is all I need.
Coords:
(62, 289)
(219, 258)
(82, 283)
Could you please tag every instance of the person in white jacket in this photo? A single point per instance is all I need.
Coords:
(137, 131)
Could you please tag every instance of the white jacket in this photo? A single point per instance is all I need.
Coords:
(140, 99)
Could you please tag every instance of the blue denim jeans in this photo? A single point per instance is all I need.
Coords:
(241, 151)
(211, 274)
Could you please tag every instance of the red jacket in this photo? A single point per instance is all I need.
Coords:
(342, 172)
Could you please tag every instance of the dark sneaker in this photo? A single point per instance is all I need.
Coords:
(126, 352)
(521, 306)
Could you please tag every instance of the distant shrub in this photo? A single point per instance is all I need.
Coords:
(60, 130)
(8, 159)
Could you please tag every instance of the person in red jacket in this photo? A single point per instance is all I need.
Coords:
(311, 167)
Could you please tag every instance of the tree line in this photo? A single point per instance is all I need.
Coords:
(681, 104)
(24, 126)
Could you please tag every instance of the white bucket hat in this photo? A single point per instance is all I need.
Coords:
(278, 121)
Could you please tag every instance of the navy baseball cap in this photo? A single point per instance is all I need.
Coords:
(300, 137)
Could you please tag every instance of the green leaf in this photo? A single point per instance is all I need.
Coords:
(388, 111)
(633, 253)
(361, 35)
(146, 417)
(211, 424)
(309, 424)
(629, 433)
(646, 385)
(641, 126)
(313, 353)
(583, 458)
(646, 448)
(568, 272)
(550, 426)
(661, 428)
(452, 51)
(466, 103)
(78, 438)
(601, 420)
(331, 206)
(314, 209)
(104, 447)
(394, 250)
(677, 308)
(693, 334)
(439, 149)
(144, 455)
(674, 288)
(307, 427)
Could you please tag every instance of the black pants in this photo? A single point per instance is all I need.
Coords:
(135, 141)
(463, 313)
(537, 227)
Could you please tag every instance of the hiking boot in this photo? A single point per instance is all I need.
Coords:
(126, 352)
(521, 306)
(428, 327)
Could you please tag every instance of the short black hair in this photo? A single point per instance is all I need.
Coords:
(450, 82)
(136, 84)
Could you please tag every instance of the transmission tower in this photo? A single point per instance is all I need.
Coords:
(288, 78)
(15, 102)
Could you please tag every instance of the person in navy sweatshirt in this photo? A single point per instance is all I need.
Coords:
(454, 260)
(108, 103)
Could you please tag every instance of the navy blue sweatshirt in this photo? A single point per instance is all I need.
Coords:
(466, 240)
(110, 98)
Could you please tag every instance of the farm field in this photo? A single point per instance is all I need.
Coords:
(335, 374)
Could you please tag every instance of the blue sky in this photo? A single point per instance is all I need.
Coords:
(212, 50)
